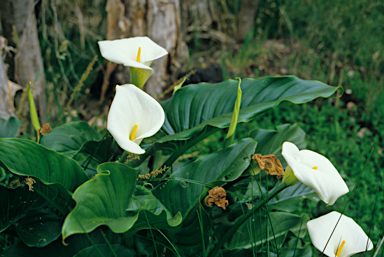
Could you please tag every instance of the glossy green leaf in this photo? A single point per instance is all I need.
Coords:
(195, 107)
(257, 230)
(9, 128)
(289, 199)
(15, 203)
(27, 158)
(195, 233)
(73, 246)
(158, 216)
(270, 141)
(106, 251)
(103, 201)
(68, 138)
(94, 153)
(187, 185)
(246, 190)
(39, 228)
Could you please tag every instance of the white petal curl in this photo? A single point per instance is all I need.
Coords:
(347, 230)
(124, 51)
(315, 171)
(133, 106)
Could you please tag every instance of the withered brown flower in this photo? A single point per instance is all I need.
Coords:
(217, 195)
(45, 129)
(270, 163)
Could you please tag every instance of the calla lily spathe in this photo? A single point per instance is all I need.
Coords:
(136, 52)
(130, 107)
(315, 171)
(347, 230)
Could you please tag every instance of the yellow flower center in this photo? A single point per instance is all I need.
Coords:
(340, 248)
(315, 168)
(133, 134)
(138, 55)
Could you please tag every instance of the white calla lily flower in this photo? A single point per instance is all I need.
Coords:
(133, 116)
(136, 52)
(346, 239)
(315, 171)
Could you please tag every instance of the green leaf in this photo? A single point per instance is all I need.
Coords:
(27, 158)
(106, 251)
(10, 127)
(158, 215)
(103, 201)
(32, 109)
(257, 230)
(187, 185)
(270, 141)
(94, 153)
(302, 252)
(197, 111)
(15, 203)
(195, 230)
(195, 107)
(39, 228)
(74, 245)
(289, 199)
(68, 138)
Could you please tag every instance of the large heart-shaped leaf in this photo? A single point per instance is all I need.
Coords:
(158, 216)
(187, 185)
(73, 246)
(15, 203)
(196, 111)
(103, 201)
(68, 138)
(23, 208)
(205, 103)
(270, 141)
(94, 153)
(26, 158)
(39, 228)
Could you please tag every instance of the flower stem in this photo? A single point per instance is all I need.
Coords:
(243, 219)
(123, 157)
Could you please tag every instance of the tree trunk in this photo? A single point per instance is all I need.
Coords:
(247, 14)
(160, 21)
(19, 24)
(6, 99)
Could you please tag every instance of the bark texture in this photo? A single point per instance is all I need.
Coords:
(247, 14)
(6, 99)
(160, 21)
(18, 18)
(208, 20)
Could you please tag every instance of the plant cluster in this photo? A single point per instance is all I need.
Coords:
(72, 193)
